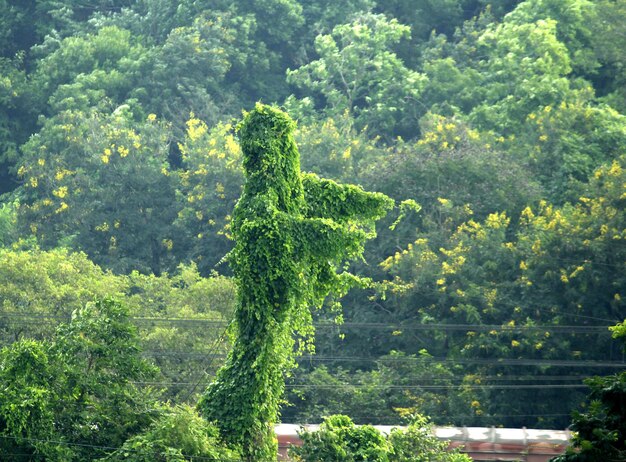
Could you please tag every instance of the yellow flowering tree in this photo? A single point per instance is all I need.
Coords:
(542, 286)
(210, 184)
(100, 183)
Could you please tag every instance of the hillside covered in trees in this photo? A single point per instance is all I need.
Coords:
(120, 167)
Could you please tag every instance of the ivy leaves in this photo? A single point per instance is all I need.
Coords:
(292, 232)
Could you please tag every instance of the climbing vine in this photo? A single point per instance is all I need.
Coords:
(293, 231)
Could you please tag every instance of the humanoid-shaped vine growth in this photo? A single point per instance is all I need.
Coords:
(292, 232)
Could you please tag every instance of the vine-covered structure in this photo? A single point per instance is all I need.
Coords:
(292, 233)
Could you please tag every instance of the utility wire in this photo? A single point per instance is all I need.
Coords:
(210, 356)
(577, 329)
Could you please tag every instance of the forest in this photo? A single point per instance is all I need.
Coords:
(496, 299)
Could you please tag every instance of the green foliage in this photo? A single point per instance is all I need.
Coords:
(102, 180)
(291, 233)
(35, 284)
(333, 148)
(559, 266)
(600, 432)
(210, 185)
(416, 443)
(358, 72)
(8, 222)
(610, 77)
(186, 350)
(455, 162)
(27, 410)
(512, 126)
(339, 440)
(99, 351)
(567, 143)
(178, 434)
(389, 393)
(39, 288)
(72, 397)
(573, 20)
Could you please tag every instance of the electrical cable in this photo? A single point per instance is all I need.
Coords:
(576, 329)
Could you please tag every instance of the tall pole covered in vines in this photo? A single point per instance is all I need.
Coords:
(292, 231)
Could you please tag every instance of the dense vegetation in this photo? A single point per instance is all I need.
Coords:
(120, 168)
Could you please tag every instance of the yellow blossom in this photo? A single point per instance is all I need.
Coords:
(61, 192)
(196, 128)
(151, 117)
(63, 207)
(104, 227)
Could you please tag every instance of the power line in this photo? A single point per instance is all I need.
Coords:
(429, 359)
(396, 359)
(568, 329)
(209, 357)
(486, 361)
(431, 387)
(348, 386)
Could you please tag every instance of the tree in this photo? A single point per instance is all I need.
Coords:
(389, 393)
(600, 432)
(210, 184)
(291, 233)
(8, 221)
(517, 289)
(74, 396)
(29, 401)
(101, 183)
(38, 288)
(358, 72)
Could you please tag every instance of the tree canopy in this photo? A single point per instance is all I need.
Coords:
(122, 161)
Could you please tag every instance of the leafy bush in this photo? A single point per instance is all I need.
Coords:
(339, 440)
(177, 435)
